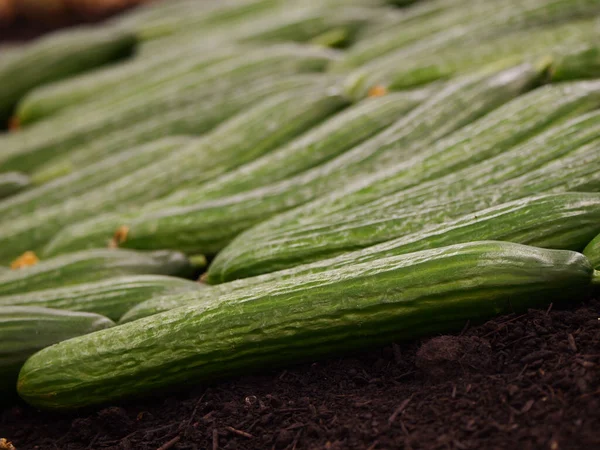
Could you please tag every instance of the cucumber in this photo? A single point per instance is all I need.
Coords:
(557, 221)
(118, 81)
(196, 116)
(164, 19)
(92, 265)
(420, 22)
(236, 141)
(25, 330)
(401, 71)
(94, 176)
(60, 134)
(57, 56)
(338, 310)
(293, 23)
(592, 251)
(318, 145)
(345, 221)
(12, 182)
(112, 297)
(219, 220)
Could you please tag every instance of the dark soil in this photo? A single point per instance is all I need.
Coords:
(519, 382)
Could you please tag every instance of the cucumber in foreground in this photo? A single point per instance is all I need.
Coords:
(344, 309)
(25, 330)
(592, 251)
(112, 297)
(555, 221)
(92, 265)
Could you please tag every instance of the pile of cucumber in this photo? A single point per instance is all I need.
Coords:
(354, 171)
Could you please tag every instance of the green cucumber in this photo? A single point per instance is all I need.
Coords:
(25, 330)
(243, 138)
(164, 19)
(12, 182)
(592, 251)
(196, 116)
(218, 221)
(318, 145)
(557, 221)
(92, 177)
(118, 81)
(92, 265)
(420, 69)
(57, 56)
(345, 221)
(415, 24)
(62, 133)
(111, 297)
(320, 315)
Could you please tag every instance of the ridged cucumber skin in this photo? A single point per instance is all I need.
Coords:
(58, 56)
(321, 143)
(379, 301)
(117, 81)
(92, 265)
(13, 182)
(482, 145)
(58, 135)
(87, 179)
(196, 116)
(454, 106)
(592, 251)
(111, 297)
(25, 330)
(555, 221)
(449, 62)
(249, 135)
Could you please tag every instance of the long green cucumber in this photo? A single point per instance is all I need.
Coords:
(342, 309)
(118, 81)
(111, 297)
(169, 18)
(592, 251)
(395, 72)
(25, 330)
(557, 221)
(58, 135)
(341, 132)
(421, 21)
(207, 227)
(454, 106)
(198, 114)
(91, 177)
(58, 56)
(13, 182)
(249, 135)
(92, 265)
(293, 23)
(308, 235)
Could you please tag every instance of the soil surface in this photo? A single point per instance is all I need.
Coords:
(530, 381)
